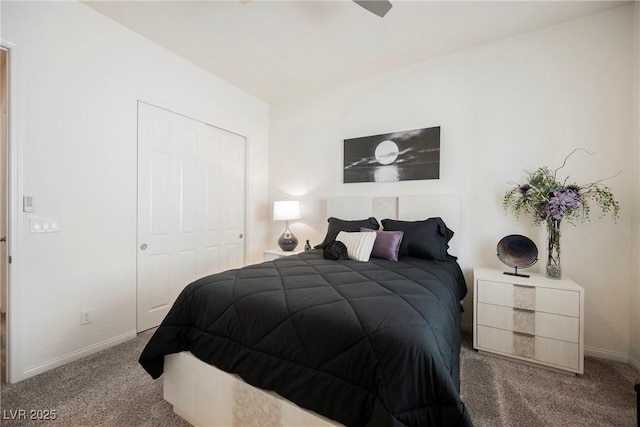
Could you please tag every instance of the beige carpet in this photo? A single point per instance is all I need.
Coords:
(108, 388)
(500, 392)
(111, 389)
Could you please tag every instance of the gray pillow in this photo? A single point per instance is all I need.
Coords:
(422, 239)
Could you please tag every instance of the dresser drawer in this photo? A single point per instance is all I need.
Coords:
(558, 327)
(561, 353)
(558, 301)
(512, 319)
(549, 300)
(535, 323)
(506, 294)
(508, 342)
(495, 339)
(497, 316)
(495, 293)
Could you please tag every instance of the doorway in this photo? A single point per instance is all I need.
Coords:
(4, 137)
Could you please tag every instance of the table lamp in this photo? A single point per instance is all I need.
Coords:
(285, 210)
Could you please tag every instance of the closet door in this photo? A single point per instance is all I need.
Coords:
(191, 206)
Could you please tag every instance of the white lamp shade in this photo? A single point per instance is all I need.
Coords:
(285, 210)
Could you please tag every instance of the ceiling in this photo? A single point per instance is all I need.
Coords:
(280, 49)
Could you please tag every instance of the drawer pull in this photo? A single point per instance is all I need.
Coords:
(524, 286)
(526, 310)
(524, 334)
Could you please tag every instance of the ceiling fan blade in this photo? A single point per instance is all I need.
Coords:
(378, 7)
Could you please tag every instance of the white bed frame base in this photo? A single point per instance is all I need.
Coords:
(206, 396)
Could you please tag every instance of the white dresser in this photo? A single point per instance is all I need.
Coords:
(535, 319)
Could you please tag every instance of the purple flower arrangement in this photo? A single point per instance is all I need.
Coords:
(562, 201)
(546, 198)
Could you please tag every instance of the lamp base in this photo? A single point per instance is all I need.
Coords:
(287, 241)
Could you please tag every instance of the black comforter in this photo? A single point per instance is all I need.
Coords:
(365, 343)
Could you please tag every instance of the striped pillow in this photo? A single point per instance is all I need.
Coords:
(359, 244)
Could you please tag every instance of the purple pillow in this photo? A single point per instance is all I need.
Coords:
(387, 244)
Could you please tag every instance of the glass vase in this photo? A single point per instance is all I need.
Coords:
(554, 268)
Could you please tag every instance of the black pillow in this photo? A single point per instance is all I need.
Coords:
(337, 225)
(422, 239)
(335, 250)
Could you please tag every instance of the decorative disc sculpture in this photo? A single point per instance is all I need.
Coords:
(517, 251)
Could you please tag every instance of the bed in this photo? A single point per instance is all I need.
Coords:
(304, 340)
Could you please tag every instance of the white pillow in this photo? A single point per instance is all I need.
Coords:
(359, 244)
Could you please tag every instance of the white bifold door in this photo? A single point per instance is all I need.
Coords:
(191, 206)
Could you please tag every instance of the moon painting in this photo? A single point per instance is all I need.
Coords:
(386, 152)
(398, 156)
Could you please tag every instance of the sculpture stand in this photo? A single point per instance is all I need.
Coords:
(516, 273)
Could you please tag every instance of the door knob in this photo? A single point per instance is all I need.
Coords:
(3, 239)
(240, 236)
(143, 246)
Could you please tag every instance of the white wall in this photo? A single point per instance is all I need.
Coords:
(634, 338)
(515, 104)
(81, 75)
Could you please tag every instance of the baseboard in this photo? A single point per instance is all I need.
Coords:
(606, 354)
(635, 363)
(43, 367)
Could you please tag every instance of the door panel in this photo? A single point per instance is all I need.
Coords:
(188, 198)
(191, 206)
(159, 294)
(160, 193)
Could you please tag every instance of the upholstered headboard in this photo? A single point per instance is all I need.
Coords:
(407, 208)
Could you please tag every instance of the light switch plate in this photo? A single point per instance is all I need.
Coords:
(44, 225)
(35, 225)
(27, 203)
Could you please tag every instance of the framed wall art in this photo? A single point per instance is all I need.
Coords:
(398, 156)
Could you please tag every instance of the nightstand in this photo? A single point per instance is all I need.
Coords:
(272, 254)
(533, 319)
